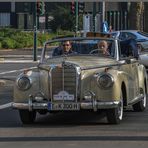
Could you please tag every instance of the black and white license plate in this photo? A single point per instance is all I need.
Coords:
(63, 106)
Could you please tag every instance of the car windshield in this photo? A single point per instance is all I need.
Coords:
(69, 47)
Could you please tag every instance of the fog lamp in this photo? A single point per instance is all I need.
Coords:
(39, 97)
(88, 95)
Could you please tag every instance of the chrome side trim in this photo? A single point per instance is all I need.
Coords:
(137, 99)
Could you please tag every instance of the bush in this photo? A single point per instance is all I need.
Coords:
(9, 43)
(42, 38)
(23, 39)
(11, 38)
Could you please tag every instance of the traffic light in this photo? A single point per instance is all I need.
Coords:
(81, 6)
(73, 7)
(40, 8)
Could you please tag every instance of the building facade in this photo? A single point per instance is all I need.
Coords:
(20, 15)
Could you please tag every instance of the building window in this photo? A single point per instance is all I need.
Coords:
(4, 19)
(29, 21)
(20, 21)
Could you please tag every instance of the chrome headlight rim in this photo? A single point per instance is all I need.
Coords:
(26, 86)
(109, 84)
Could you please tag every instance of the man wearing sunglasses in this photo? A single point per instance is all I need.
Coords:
(64, 49)
(67, 47)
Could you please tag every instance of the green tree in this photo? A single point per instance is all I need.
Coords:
(62, 19)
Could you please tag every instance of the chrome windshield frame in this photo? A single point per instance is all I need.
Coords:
(76, 39)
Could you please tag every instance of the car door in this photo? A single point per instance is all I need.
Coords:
(130, 69)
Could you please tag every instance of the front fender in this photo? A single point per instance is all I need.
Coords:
(111, 94)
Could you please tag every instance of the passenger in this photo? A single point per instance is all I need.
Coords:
(64, 49)
(67, 47)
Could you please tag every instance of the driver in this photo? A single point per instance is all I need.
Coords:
(103, 47)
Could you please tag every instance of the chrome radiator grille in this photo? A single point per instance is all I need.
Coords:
(64, 79)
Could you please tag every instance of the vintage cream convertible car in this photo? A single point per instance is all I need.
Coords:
(82, 80)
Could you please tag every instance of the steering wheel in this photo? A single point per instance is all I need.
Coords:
(94, 51)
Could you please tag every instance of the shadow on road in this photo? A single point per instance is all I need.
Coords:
(6, 91)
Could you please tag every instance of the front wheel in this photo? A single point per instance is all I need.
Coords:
(27, 117)
(115, 115)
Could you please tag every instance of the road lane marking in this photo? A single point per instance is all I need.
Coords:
(13, 71)
(6, 105)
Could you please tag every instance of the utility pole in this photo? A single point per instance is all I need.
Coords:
(103, 11)
(35, 33)
(77, 17)
(94, 16)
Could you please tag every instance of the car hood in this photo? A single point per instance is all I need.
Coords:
(84, 62)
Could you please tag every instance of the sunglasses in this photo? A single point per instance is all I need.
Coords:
(66, 44)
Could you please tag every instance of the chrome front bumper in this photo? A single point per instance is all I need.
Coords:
(82, 105)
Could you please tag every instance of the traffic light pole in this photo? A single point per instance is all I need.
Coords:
(77, 17)
(35, 34)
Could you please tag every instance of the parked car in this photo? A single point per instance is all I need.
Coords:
(82, 81)
(140, 37)
(142, 41)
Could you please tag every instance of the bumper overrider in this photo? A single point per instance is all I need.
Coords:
(95, 105)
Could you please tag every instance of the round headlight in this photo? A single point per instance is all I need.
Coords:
(105, 81)
(23, 83)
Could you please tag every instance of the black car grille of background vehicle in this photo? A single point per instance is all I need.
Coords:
(64, 78)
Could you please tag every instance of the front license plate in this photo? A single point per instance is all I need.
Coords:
(64, 106)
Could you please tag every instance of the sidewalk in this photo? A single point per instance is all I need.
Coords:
(29, 51)
(18, 56)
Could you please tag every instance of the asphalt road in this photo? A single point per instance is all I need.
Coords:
(80, 130)
(66, 130)
(11, 70)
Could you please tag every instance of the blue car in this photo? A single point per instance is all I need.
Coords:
(140, 37)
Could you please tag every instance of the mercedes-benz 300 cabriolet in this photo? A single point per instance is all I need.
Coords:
(84, 79)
